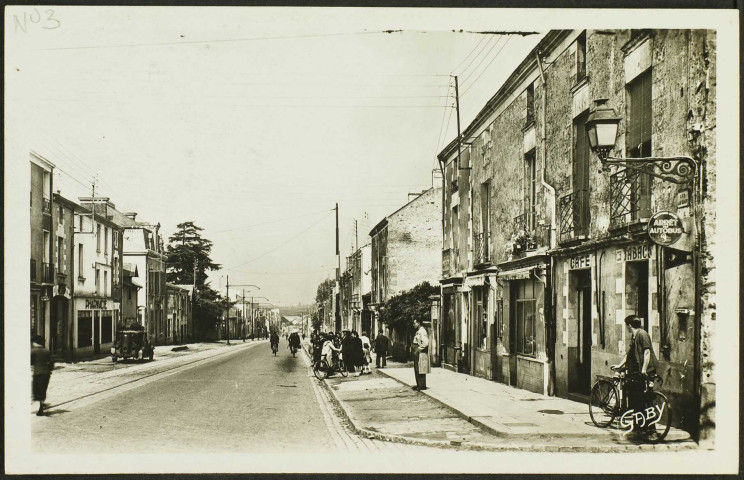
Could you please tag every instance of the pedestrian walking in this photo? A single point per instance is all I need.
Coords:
(42, 365)
(420, 355)
(358, 353)
(381, 348)
(347, 350)
(367, 357)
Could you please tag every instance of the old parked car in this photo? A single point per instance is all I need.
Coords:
(131, 343)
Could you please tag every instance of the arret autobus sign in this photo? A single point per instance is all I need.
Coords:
(665, 228)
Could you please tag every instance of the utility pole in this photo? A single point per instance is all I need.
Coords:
(457, 110)
(337, 314)
(243, 304)
(193, 301)
(227, 317)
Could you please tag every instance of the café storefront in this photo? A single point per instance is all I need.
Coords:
(95, 324)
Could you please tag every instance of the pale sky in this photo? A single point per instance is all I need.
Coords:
(254, 122)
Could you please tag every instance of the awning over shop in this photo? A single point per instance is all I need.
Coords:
(519, 273)
(475, 281)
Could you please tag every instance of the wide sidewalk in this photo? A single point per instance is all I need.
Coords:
(513, 412)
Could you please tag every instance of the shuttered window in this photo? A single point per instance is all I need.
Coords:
(639, 122)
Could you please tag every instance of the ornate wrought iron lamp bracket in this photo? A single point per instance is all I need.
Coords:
(679, 170)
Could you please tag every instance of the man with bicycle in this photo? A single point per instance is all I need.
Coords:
(640, 362)
(274, 340)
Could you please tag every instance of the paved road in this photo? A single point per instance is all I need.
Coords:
(246, 401)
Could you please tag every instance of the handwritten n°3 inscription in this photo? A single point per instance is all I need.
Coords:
(37, 18)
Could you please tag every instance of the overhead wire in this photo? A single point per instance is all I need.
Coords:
(466, 77)
(486, 68)
(481, 40)
(282, 244)
(490, 39)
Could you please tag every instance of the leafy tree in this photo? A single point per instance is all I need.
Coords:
(185, 248)
(322, 295)
(400, 311)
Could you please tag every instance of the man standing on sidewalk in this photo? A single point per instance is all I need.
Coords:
(42, 365)
(420, 355)
(381, 348)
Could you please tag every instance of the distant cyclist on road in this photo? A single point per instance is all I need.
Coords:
(294, 341)
(274, 340)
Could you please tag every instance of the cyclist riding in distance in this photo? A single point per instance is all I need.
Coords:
(274, 339)
(640, 357)
(294, 340)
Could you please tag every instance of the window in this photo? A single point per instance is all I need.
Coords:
(47, 246)
(98, 238)
(80, 262)
(85, 328)
(480, 297)
(581, 160)
(98, 280)
(60, 254)
(530, 190)
(581, 57)
(61, 215)
(105, 240)
(524, 293)
(530, 92)
(107, 326)
(638, 141)
(105, 283)
(81, 223)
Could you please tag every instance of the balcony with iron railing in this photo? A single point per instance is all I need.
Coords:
(574, 216)
(524, 224)
(447, 261)
(481, 253)
(630, 198)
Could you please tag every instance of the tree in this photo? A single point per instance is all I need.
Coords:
(400, 311)
(322, 295)
(187, 248)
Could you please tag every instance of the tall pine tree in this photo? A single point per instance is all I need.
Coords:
(188, 253)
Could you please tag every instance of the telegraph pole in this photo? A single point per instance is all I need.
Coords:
(337, 314)
(227, 317)
(457, 110)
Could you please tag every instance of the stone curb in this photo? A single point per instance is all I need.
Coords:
(541, 448)
(143, 377)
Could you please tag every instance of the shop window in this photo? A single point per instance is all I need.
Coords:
(480, 297)
(107, 326)
(85, 328)
(524, 312)
(636, 290)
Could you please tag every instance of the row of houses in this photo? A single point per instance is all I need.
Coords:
(95, 269)
(551, 234)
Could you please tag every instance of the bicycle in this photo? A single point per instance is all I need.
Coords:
(321, 368)
(611, 397)
(275, 348)
(293, 349)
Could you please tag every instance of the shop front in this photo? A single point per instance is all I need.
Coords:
(94, 325)
(480, 324)
(521, 350)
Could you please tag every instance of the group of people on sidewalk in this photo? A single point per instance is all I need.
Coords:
(356, 350)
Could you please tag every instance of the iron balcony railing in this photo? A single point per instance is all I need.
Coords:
(47, 273)
(446, 261)
(481, 254)
(33, 270)
(630, 197)
(525, 223)
(574, 215)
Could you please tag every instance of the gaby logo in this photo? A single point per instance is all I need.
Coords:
(640, 419)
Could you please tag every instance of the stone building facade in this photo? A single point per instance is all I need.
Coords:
(405, 252)
(545, 252)
(42, 278)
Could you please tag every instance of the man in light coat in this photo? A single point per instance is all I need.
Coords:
(420, 355)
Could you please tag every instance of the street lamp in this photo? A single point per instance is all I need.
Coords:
(602, 126)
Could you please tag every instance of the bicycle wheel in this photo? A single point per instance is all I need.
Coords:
(661, 421)
(603, 403)
(320, 370)
(342, 368)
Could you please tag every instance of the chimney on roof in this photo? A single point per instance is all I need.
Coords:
(131, 215)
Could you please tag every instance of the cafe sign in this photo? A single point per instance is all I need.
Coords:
(665, 228)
